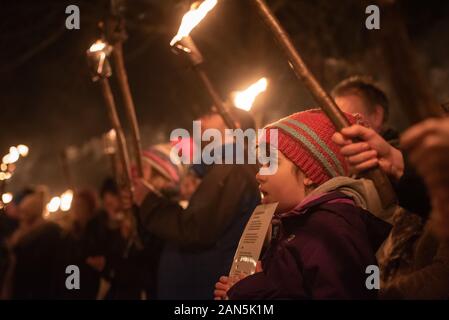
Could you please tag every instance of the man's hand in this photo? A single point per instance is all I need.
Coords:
(137, 197)
(428, 146)
(371, 151)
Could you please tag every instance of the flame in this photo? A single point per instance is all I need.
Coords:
(4, 167)
(12, 156)
(97, 46)
(112, 135)
(245, 99)
(23, 150)
(191, 19)
(66, 200)
(54, 204)
(6, 198)
(8, 175)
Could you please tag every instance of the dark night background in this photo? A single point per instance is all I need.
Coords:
(48, 101)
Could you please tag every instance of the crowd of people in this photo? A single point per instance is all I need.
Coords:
(175, 235)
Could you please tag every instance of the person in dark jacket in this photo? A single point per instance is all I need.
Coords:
(324, 235)
(414, 260)
(36, 269)
(9, 222)
(201, 239)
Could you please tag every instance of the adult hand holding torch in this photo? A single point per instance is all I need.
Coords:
(325, 101)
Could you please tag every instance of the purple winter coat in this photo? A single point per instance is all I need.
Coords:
(320, 250)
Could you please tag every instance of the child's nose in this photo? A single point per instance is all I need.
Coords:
(260, 178)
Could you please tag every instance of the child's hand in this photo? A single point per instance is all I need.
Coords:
(221, 288)
(225, 283)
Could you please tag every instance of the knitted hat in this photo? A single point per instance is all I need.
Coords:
(305, 139)
(158, 157)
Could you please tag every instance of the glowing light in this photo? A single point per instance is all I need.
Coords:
(5, 159)
(6, 198)
(2, 176)
(12, 156)
(66, 200)
(23, 150)
(4, 167)
(54, 204)
(191, 19)
(8, 175)
(245, 99)
(97, 46)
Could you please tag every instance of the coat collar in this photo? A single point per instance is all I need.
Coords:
(314, 201)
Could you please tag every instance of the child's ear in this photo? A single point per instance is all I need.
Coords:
(307, 182)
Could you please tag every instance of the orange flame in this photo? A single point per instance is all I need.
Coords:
(97, 46)
(191, 19)
(245, 99)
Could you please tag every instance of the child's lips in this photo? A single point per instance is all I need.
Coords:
(264, 195)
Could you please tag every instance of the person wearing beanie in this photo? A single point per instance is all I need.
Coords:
(325, 231)
(161, 172)
(201, 239)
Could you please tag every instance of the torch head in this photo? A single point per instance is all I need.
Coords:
(110, 142)
(187, 47)
(97, 59)
(182, 42)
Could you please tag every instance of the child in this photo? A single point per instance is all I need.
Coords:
(324, 236)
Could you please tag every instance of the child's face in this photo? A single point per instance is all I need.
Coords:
(286, 185)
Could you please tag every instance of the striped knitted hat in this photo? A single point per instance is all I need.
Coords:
(158, 156)
(305, 139)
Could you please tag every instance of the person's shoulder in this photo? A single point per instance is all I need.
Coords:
(47, 232)
(331, 221)
(343, 223)
(47, 228)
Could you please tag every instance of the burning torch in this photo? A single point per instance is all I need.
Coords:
(110, 150)
(326, 102)
(245, 99)
(101, 71)
(8, 166)
(116, 35)
(183, 43)
(97, 58)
